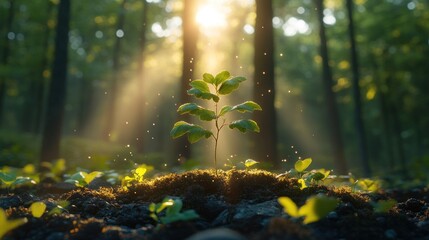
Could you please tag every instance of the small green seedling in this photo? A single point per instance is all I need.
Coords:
(369, 185)
(212, 88)
(137, 176)
(316, 176)
(54, 170)
(302, 165)
(11, 180)
(383, 206)
(7, 225)
(59, 208)
(249, 163)
(37, 209)
(173, 211)
(315, 208)
(82, 179)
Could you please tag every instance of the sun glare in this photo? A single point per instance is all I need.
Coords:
(211, 15)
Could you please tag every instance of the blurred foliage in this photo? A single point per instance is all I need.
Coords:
(392, 46)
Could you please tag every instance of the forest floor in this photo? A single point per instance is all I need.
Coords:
(231, 205)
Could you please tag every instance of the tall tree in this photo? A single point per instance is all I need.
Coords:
(331, 104)
(140, 131)
(190, 38)
(265, 148)
(359, 123)
(57, 91)
(111, 106)
(6, 54)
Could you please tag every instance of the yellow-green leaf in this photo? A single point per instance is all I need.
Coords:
(301, 165)
(91, 176)
(289, 206)
(140, 171)
(250, 162)
(383, 206)
(302, 183)
(37, 209)
(7, 225)
(317, 207)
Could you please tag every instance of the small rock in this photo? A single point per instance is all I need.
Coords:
(390, 234)
(217, 234)
(412, 204)
(332, 215)
(423, 224)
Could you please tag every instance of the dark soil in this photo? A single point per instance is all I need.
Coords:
(244, 202)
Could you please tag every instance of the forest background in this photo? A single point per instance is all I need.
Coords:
(343, 82)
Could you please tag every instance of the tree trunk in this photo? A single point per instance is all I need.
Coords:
(111, 106)
(265, 148)
(5, 56)
(332, 110)
(190, 38)
(359, 124)
(140, 124)
(57, 92)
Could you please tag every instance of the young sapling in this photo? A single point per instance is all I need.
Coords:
(213, 88)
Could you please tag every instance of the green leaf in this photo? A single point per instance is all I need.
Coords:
(152, 207)
(88, 178)
(78, 176)
(194, 109)
(165, 203)
(250, 162)
(175, 208)
(224, 110)
(7, 178)
(383, 206)
(7, 225)
(221, 77)
(302, 184)
(289, 206)
(200, 89)
(208, 78)
(203, 95)
(200, 85)
(195, 132)
(317, 207)
(23, 180)
(301, 165)
(321, 174)
(245, 125)
(37, 209)
(248, 106)
(230, 85)
(140, 172)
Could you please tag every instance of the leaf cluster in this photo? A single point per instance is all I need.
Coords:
(137, 176)
(211, 88)
(315, 208)
(171, 208)
(307, 177)
(82, 179)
